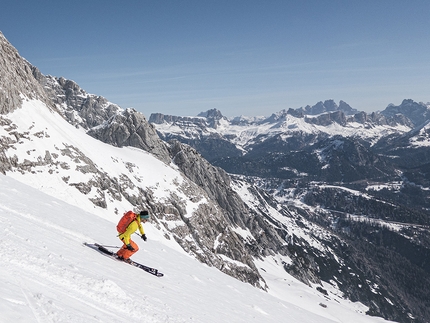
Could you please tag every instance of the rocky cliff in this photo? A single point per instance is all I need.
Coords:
(16, 79)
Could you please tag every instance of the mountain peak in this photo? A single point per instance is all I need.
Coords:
(211, 114)
(416, 112)
(328, 106)
(17, 79)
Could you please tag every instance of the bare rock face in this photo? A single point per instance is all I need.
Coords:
(214, 180)
(16, 79)
(76, 105)
(130, 128)
(104, 120)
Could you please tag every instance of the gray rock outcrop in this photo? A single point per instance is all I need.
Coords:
(16, 79)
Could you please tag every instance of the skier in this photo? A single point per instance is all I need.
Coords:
(128, 224)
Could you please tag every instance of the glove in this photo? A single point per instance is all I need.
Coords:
(144, 238)
(130, 247)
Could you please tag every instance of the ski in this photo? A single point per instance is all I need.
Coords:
(113, 255)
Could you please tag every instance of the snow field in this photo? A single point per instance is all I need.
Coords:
(47, 275)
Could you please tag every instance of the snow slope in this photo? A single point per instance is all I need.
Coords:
(46, 131)
(47, 275)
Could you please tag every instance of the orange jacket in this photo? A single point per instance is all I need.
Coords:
(132, 227)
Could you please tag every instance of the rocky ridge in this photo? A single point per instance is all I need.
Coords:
(16, 79)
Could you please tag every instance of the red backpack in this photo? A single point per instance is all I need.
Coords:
(126, 219)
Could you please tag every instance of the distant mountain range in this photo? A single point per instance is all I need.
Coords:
(338, 144)
(337, 198)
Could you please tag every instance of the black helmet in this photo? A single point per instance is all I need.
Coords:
(144, 215)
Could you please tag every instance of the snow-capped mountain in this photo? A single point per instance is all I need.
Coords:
(101, 159)
(246, 133)
(362, 145)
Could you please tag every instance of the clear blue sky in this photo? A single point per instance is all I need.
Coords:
(241, 57)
